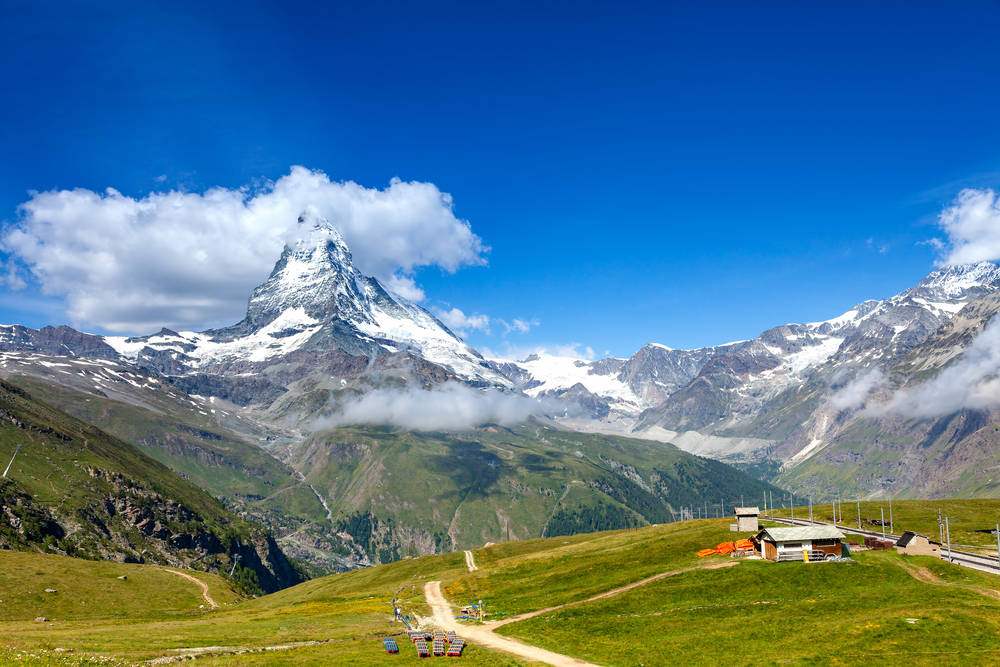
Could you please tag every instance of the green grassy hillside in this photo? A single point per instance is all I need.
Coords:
(874, 609)
(76, 490)
(403, 493)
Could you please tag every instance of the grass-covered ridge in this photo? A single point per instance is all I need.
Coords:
(76, 490)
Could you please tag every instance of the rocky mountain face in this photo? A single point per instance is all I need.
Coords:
(768, 400)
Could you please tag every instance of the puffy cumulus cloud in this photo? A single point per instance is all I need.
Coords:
(461, 323)
(970, 383)
(451, 406)
(189, 260)
(856, 391)
(972, 226)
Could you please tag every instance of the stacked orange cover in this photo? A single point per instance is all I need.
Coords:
(744, 545)
(706, 552)
(725, 548)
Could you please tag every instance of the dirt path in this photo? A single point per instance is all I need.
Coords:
(923, 575)
(204, 587)
(611, 593)
(444, 617)
(470, 561)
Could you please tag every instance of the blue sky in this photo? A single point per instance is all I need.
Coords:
(640, 172)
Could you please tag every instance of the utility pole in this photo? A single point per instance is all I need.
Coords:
(833, 505)
(882, 512)
(16, 450)
(940, 528)
(891, 524)
(998, 542)
(765, 502)
(236, 559)
(859, 512)
(947, 532)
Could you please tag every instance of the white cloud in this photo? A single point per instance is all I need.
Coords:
(972, 225)
(519, 325)
(449, 406)
(461, 323)
(189, 260)
(854, 394)
(970, 383)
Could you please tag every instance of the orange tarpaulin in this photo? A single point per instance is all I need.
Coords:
(725, 548)
(744, 545)
(706, 552)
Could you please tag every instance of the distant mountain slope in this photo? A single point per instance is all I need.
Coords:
(75, 490)
(765, 402)
(402, 493)
(868, 451)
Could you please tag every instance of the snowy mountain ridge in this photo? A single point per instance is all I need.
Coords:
(872, 333)
(315, 299)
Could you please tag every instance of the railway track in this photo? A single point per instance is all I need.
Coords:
(963, 558)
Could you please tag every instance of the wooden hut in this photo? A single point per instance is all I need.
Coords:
(915, 544)
(799, 543)
(746, 519)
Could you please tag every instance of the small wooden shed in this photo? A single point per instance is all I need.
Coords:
(746, 519)
(915, 544)
(796, 542)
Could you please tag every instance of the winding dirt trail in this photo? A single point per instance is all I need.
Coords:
(923, 575)
(444, 616)
(201, 584)
(612, 593)
(470, 561)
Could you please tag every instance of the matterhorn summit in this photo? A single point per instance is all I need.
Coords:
(316, 306)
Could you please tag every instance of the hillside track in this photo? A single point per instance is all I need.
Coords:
(444, 617)
(485, 635)
(963, 558)
(470, 561)
(613, 592)
(201, 584)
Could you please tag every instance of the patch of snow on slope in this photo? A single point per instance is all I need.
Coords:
(814, 355)
(556, 372)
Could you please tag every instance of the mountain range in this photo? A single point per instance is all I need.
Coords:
(247, 413)
(296, 416)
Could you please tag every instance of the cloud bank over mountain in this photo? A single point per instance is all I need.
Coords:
(449, 406)
(188, 260)
(972, 224)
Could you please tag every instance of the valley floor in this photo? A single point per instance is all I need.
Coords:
(614, 598)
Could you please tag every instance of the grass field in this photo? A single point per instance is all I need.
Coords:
(874, 609)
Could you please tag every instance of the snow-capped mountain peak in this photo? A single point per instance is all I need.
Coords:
(956, 281)
(316, 299)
